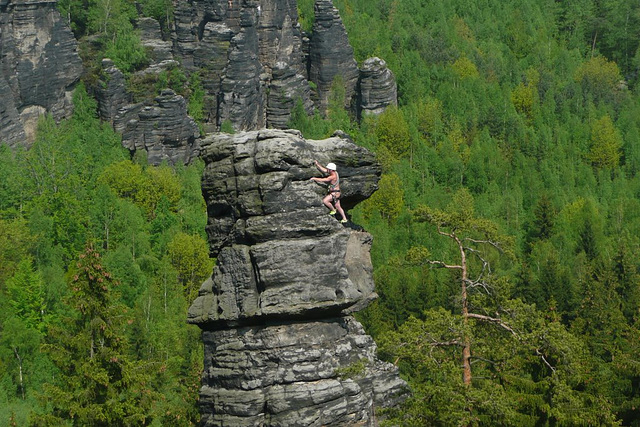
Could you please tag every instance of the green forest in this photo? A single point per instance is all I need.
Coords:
(506, 227)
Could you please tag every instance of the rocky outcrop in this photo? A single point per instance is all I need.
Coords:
(279, 338)
(377, 88)
(285, 90)
(151, 37)
(39, 67)
(244, 50)
(254, 63)
(331, 55)
(163, 130)
(160, 126)
(242, 91)
(281, 53)
(110, 92)
(294, 374)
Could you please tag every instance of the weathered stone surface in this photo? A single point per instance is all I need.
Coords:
(39, 68)
(331, 55)
(110, 92)
(289, 374)
(253, 179)
(244, 50)
(377, 87)
(163, 130)
(274, 314)
(285, 90)
(242, 91)
(279, 36)
(151, 37)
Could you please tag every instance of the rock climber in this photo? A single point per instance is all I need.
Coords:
(332, 199)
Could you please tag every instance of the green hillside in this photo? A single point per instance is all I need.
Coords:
(517, 130)
(506, 228)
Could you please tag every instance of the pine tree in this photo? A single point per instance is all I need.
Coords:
(98, 383)
(469, 235)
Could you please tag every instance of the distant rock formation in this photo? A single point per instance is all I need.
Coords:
(252, 60)
(163, 130)
(254, 63)
(331, 55)
(275, 313)
(111, 92)
(151, 37)
(377, 88)
(161, 127)
(39, 67)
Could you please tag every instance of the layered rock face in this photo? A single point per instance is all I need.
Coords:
(275, 313)
(39, 67)
(161, 126)
(378, 87)
(251, 57)
(163, 130)
(331, 55)
(254, 62)
(236, 45)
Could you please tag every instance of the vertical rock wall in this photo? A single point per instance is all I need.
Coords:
(248, 53)
(236, 45)
(275, 314)
(377, 88)
(39, 67)
(331, 55)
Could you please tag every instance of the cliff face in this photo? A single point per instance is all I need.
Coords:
(331, 55)
(254, 62)
(39, 67)
(276, 311)
(255, 65)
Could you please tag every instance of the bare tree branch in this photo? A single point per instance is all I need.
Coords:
(444, 343)
(481, 359)
(544, 359)
(489, 242)
(493, 320)
(477, 283)
(443, 265)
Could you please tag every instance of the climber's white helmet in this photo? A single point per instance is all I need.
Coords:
(332, 166)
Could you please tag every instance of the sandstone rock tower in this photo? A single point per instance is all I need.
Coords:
(275, 314)
(39, 67)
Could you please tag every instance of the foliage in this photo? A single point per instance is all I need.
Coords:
(160, 10)
(143, 186)
(196, 98)
(531, 107)
(388, 200)
(392, 131)
(189, 256)
(57, 196)
(227, 127)
(98, 382)
(606, 143)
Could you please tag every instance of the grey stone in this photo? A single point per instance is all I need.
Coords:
(378, 88)
(282, 163)
(110, 92)
(277, 332)
(331, 55)
(285, 90)
(39, 67)
(163, 130)
(290, 374)
(249, 56)
(151, 37)
(242, 91)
